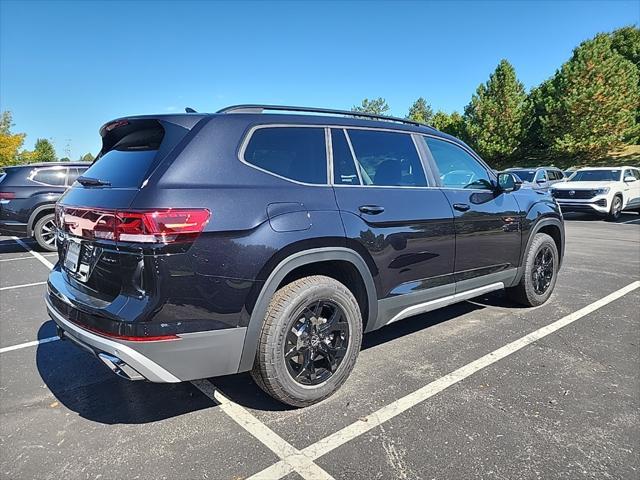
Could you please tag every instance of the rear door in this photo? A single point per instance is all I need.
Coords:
(390, 211)
(487, 224)
(632, 188)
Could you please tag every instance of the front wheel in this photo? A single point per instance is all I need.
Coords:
(309, 342)
(540, 272)
(616, 208)
(44, 232)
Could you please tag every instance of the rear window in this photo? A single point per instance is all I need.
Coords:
(129, 161)
(296, 153)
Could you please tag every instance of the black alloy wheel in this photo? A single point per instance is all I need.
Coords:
(316, 343)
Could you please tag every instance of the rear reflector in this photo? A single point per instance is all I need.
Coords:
(137, 226)
(7, 195)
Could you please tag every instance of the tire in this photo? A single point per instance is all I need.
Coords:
(293, 315)
(528, 291)
(616, 209)
(44, 232)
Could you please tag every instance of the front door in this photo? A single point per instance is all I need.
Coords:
(392, 216)
(487, 224)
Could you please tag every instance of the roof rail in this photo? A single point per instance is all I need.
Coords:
(257, 108)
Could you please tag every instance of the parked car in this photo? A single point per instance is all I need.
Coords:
(538, 178)
(605, 191)
(200, 245)
(28, 194)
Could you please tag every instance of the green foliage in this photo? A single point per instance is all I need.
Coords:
(453, 123)
(590, 105)
(377, 106)
(10, 143)
(626, 42)
(420, 111)
(495, 118)
(43, 151)
(87, 157)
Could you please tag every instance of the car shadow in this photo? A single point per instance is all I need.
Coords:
(83, 384)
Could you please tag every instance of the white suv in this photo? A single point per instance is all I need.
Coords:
(605, 190)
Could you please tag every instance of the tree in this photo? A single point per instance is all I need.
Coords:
(10, 143)
(453, 124)
(44, 151)
(590, 105)
(420, 111)
(87, 157)
(494, 120)
(377, 106)
(626, 42)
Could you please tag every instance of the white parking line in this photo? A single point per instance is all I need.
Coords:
(35, 254)
(21, 286)
(30, 257)
(28, 344)
(632, 221)
(292, 458)
(386, 413)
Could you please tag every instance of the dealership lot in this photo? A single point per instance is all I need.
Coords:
(562, 404)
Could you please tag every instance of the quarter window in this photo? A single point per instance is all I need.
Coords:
(387, 158)
(51, 176)
(296, 153)
(457, 168)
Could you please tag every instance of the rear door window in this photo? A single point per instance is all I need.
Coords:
(50, 176)
(387, 159)
(295, 153)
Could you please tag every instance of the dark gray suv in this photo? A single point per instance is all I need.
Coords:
(208, 244)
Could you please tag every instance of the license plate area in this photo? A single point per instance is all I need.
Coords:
(72, 256)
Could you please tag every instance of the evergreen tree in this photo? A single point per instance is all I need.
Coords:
(453, 123)
(87, 157)
(590, 105)
(495, 118)
(43, 151)
(377, 106)
(420, 111)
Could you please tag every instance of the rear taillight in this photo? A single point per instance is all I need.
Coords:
(148, 226)
(7, 195)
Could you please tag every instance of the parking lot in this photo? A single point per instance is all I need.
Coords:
(482, 389)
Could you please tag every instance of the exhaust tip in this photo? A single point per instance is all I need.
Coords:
(119, 367)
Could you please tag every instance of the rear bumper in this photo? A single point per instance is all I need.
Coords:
(191, 356)
(13, 228)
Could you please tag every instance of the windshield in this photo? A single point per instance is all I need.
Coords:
(596, 176)
(524, 175)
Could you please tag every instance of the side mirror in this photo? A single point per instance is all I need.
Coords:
(540, 181)
(630, 178)
(508, 182)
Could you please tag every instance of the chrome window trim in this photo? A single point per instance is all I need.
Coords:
(329, 150)
(247, 138)
(37, 170)
(249, 135)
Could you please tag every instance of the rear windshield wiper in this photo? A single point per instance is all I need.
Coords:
(93, 182)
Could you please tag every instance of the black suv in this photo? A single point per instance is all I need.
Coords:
(200, 245)
(28, 194)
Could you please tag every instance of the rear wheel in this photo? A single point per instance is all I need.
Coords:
(616, 208)
(540, 272)
(309, 342)
(44, 232)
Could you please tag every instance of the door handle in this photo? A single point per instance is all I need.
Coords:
(461, 207)
(371, 209)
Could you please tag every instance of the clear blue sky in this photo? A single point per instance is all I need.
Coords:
(68, 67)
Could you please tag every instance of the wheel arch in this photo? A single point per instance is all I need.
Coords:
(552, 226)
(287, 269)
(38, 213)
